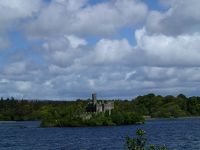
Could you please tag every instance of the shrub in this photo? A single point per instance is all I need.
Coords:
(140, 142)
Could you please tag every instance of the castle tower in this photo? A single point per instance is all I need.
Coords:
(94, 106)
(94, 98)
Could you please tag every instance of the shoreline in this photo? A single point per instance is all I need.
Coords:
(172, 118)
(137, 123)
(8, 122)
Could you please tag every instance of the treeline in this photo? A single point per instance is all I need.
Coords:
(168, 106)
(27, 110)
(65, 113)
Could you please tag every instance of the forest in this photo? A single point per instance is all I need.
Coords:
(72, 113)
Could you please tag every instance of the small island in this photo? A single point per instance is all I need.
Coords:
(96, 113)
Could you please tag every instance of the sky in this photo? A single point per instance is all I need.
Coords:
(68, 49)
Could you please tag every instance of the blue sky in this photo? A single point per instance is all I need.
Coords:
(67, 49)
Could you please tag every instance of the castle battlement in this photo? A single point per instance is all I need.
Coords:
(94, 106)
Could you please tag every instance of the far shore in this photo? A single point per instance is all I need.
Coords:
(8, 121)
(171, 118)
(146, 119)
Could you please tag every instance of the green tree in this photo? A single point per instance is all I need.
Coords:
(140, 142)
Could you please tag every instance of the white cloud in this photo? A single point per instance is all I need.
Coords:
(4, 81)
(161, 50)
(108, 17)
(75, 42)
(130, 74)
(165, 58)
(12, 12)
(15, 68)
(182, 17)
(69, 17)
(12, 16)
(111, 51)
(64, 51)
(23, 86)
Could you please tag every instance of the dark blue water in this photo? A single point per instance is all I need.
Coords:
(179, 134)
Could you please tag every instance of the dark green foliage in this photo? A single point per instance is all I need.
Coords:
(90, 119)
(140, 142)
(72, 113)
(168, 106)
(24, 110)
(126, 117)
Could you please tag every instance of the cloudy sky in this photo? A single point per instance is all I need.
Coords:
(67, 49)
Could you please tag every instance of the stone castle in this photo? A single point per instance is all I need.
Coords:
(101, 106)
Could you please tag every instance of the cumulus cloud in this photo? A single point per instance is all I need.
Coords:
(65, 50)
(111, 51)
(15, 68)
(75, 42)
(181, 17)
(60, 61)
(69, 17)
(23, 86)
(162, 50)
(12, 12)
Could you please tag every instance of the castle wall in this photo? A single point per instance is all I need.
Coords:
(99, 108)
(95, 106)
(108, 106)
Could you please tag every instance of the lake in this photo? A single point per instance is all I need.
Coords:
(177, 134)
